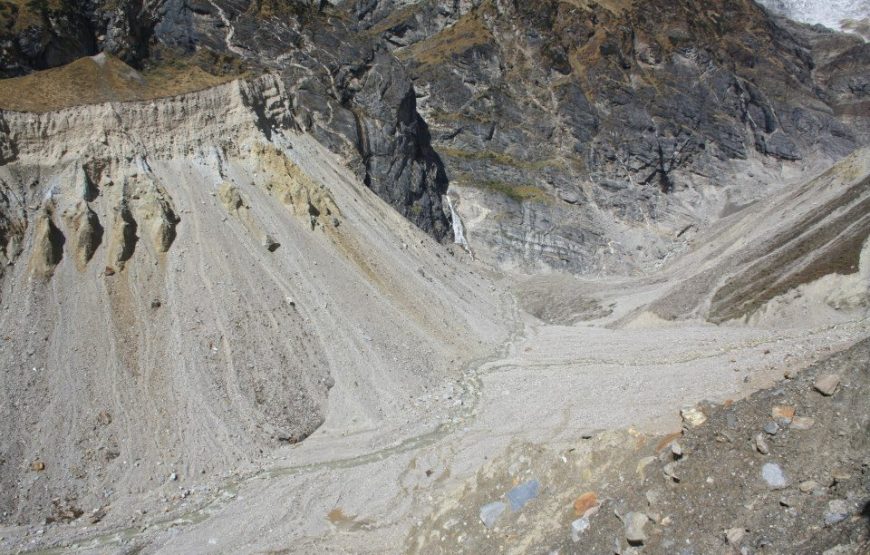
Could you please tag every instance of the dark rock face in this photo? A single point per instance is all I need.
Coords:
(566, 118)
(649, 111)
(353, 96)
(346, 90)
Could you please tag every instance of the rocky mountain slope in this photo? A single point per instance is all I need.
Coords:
(582, 136)
(588, 135)
(826, 223)
(376, 275)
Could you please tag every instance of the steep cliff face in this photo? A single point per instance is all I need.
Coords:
(577, 135)
(564, 126)
(346, 90)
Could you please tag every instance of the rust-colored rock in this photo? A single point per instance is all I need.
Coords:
(585, 502)
(782, 411)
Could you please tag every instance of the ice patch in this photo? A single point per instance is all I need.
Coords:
(830, 13)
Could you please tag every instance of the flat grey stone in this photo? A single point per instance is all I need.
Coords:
(774, 476)
(490, 513)
(838, 511)
(634, 524)
(826, 384)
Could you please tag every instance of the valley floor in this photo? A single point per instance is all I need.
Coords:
(382, 490)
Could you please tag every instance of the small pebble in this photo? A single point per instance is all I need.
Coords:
(838, 511)
(489, 514)
(584, 503)
(782, 412)
(634, 528)
(693, 417)
(827, 384)
(771, 428)
(578, 527)
(808, 486)
(735, 536)
(774, 476)
(761, 445)
(802, 423)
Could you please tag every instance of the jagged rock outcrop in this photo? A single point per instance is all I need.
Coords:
(347, 90)
(566, 126)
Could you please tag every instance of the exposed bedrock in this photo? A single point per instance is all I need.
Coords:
(567, 126)
(657, 114)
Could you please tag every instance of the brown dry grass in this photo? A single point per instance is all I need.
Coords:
(613, 6)
(402, 14)
(98, 79)
(467, 32)
(21, 14)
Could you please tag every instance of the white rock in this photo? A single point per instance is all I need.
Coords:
(634, 524)
(578, 527)
(827, 384)
(693, 417)
(735, 536)
(774, 476)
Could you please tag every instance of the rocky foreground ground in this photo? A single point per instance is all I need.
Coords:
(786, 470)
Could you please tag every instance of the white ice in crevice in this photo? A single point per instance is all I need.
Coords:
(830, 13)
(458, 228)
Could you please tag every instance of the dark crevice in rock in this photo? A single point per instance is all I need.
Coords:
(125, 235)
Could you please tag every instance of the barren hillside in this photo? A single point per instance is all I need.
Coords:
(395, 276)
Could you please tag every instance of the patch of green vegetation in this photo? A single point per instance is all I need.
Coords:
(501, 159)
(519, 193)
